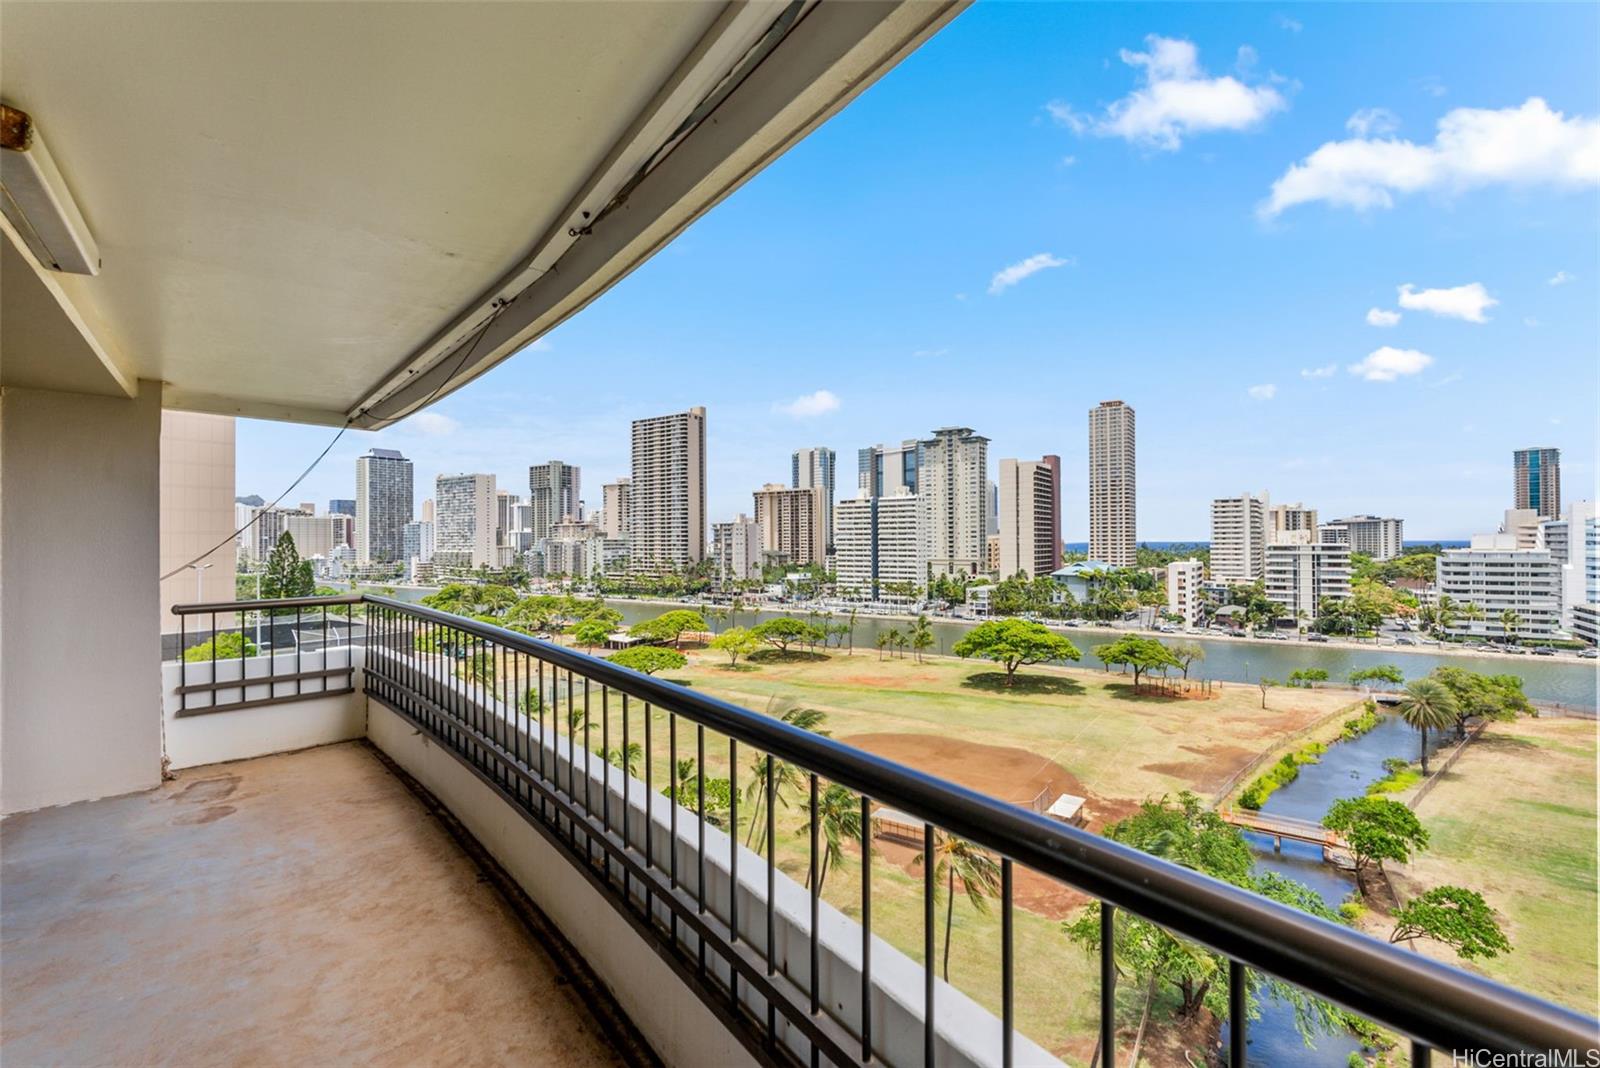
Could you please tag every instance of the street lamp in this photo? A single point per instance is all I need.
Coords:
(198, 570)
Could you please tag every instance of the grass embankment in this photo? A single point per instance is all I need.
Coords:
(1082, 732)
(1514, 819)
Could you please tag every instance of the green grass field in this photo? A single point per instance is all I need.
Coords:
(1116, 747)
(1514, 819)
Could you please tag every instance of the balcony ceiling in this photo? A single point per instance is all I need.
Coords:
(332, 212)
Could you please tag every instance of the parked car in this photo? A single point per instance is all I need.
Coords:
(1316, 637)
(1405, 641)
(1590, 653)
(1544, 650)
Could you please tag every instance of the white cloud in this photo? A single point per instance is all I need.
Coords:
(432, 424)
(1382, 317)
(1433, 86)
(1286, 23)
(1319, 372)
(1246, 59)
(1561, 278)
(1007, 277)
(1372, 122)
(1530, 145)
(809, 405)
(1467, 302)
(1177, 100)
(1263, 392)
(1387, 364)
(1069, 161)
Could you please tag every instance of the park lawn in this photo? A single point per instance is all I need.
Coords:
(1120, 747)
(1514, 819)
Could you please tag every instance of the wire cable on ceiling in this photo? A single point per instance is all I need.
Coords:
(348, 423)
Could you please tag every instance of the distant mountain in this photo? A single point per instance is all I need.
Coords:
(254, 501)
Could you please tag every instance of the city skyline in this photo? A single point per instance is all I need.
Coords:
(1355, 354)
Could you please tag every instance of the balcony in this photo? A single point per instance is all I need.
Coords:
(375, 891)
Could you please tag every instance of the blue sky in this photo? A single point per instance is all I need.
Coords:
(1128, 155)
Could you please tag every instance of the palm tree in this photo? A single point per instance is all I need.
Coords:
(1427, 703)
(1510, 620)
(784, 774)
(1444, 614)
(838, 820)
(894, 638)
(851, 623)
(626, 759)
(979, 873)
(882, 640)
(921, 636)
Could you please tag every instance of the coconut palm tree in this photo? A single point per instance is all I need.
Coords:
(838, 821)
(978, 871)
(1427, 703)
(1444, 614)
(785, 776)
(1510, 620)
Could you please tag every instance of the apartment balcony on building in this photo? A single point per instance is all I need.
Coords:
(351, 830)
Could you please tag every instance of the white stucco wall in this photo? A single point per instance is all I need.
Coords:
(80, 648)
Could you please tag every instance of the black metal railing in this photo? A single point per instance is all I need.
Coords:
(260, 635)
(521, 715)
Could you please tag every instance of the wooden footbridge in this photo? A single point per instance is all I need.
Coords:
(1281, 827)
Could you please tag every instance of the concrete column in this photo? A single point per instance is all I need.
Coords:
(80, 646)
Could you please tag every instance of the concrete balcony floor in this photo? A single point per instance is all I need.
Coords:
(304, 908)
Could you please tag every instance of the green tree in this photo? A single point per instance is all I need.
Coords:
(956, 858)
(1187, 833)
(1376, 829)
(286, 575)
(921, 636)
(1015, 643)
(1496, 697)
(228, 644)
(1187, 654)
(1427, 703)
(1510, 621)
(648, 659)
(1454, 916)
(1265, 684)
(839, 820)
(669, 626)
(1384, 673)
(1307, 678)
(1143, 655)
(627, 759)
(783, 632)
(736, 642)
(591, 632)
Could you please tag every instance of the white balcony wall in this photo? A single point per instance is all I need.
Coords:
(193, 737)
(80, 647)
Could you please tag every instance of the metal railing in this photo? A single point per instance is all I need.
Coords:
(520, 714)
(305, 625)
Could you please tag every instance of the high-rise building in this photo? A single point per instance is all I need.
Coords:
(316, 535)
(463, 532)
(575, 548)
(815, 468)
(418, 542)
(1113, 485)
(736, 548)
(342, 506)
(554, 490)
(667, 493)
(1302, 574)
(1370, 535)
(383, 506)
(426, 515)
(952, 482)
(887, 470)
(268, 525)
(880, 541)
(1238, 538)
(1564, 538)
(614, 505)
(1029, 514)
(791, 522)
(1508, 586)
(1184, 578)
(505, 516)
(1522, 526)
(1291, 523)
(1586, 614)
(1538, 481)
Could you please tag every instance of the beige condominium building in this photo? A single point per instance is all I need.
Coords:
(1238, 538)
(464, 519)
(1286, 521)
(952, 480)
(555, 490)
(1302, 574)
(667, 493)
(1113, 485)
(614, 508)
(736, 548)
(879, 541)
(1030, 512)
(793, 523)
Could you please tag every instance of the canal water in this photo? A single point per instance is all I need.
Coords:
(1344, 770)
